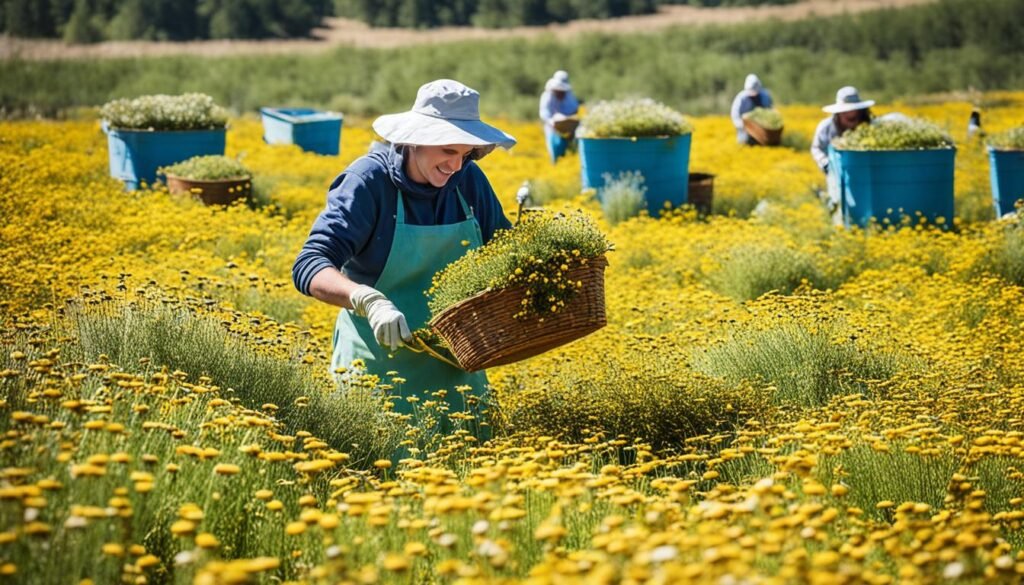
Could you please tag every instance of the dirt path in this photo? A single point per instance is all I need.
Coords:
(342, 32)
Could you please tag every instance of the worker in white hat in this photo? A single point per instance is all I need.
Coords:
(847, 113)
(394, 218)
(754, 95)
(558, 108)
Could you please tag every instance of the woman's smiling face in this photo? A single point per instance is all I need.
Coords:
(434, 165)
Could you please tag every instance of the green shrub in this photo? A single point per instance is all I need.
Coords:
(632, 118)
(627, 394)
(535, 253)
(350, 419)
(894, 475)
(751, 270)
(1005, 255)
(207, 168)
(190, 111)
(767, 118)
(1012, 139)
(909, 134)
(806, 366)
(623, 197)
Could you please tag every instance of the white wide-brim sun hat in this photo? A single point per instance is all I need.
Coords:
(556, 84)
(848, 99)
(445, 112)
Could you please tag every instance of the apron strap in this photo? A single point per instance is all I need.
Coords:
(466, 209)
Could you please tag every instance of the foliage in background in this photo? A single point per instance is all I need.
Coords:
(535, 254)
(1012, 139)
(486, 13)
(941, 46)
(85, 21)
(631, 118)
(190, 111)
(623, 197)
(767, 118)
(910, 134)
(207, 168)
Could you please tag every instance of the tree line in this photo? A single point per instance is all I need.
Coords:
(86, 21)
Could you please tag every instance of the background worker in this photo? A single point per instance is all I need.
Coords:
(557, 104)
(847, 113)
(754, 95)
(394, 218)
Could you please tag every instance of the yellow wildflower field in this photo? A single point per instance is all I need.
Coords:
(774, 400)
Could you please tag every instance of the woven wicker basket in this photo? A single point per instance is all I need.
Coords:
(482, 333)
(214, 192)
(762, 135)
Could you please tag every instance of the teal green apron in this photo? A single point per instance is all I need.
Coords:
(417, 253)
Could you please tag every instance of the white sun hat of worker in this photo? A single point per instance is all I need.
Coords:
(848, 99)
(445, 112)
(557, 84)
(752, 84)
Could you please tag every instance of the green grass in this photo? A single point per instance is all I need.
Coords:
(940, 46)
(349, 419)
(806, 367)
(748, 271)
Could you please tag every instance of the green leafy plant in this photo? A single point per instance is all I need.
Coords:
(1012, 139)
(623, 197)
(904, 134)
(207, 168)
(767, 118)
(190, 111)
(537, 253)
(632, 118)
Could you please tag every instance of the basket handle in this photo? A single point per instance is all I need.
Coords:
(417, 345)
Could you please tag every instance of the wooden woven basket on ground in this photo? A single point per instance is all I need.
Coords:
(481, 331)
(215, 192)
(762, 135)
(701, 192)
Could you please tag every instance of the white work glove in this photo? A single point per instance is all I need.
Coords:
(387, 322)
(523, 195)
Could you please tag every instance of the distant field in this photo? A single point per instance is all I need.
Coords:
(343, 32)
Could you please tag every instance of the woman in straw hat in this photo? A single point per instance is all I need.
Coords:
(847, 113)
(394, 218)
(558, 106)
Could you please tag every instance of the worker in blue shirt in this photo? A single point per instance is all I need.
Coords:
(394, 218)
(558, 107)
(754, 95)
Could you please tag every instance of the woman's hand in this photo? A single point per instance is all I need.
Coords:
(388, 323)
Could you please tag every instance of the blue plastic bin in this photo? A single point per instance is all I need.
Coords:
(309, 129)
(663, 161)
(1007, 171)
(135, 155)
(885, 185)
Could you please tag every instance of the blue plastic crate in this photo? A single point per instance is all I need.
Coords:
(886, 185)
(135, 155)
(663, 161)
(309, 129)
(1007, 172)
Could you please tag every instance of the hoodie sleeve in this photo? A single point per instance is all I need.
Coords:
(341, 230)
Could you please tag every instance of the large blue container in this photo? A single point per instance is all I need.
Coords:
(312, 130)
(135, 155)
(885, 185)
(664, 162)
(1007, 171)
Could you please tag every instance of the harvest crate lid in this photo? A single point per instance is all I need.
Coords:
(301, 115)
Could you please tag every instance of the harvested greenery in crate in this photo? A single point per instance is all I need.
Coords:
(190, 111)
(213, 167)
(767, 118)
(632, 118)
(903, 134)
(1012, 139)
(536, 254)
